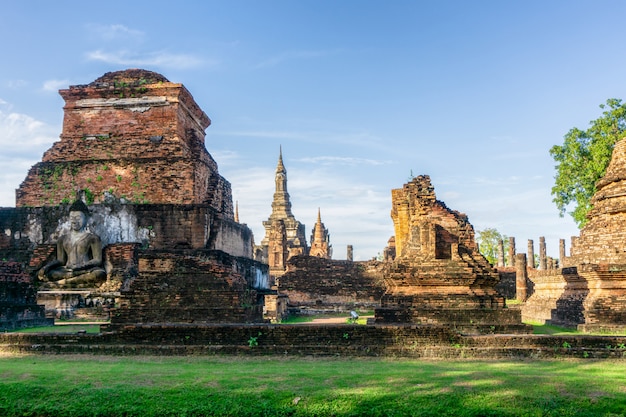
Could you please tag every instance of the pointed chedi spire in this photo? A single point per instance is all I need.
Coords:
(280, 166)
(320, 239)
(284, 235)
(281, 206)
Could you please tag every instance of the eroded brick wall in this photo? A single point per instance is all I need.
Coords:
(18, 305)
(190, 287)
(313, 282)
(132, 135)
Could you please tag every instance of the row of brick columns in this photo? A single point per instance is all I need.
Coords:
(544, 262)
(520, 262)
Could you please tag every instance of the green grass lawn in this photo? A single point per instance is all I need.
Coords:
(65, 328)
(295, 386)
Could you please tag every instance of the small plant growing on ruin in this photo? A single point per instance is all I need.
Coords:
(346, 336)
(566, 345)
(254, 340)
(89, 196)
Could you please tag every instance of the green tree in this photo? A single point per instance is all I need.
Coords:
(583, 158)
(488, 241)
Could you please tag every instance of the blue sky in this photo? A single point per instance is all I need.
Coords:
(360, 94)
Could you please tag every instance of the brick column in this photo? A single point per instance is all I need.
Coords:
(349, 255)
(511, 257)
(500, 253)
(561, 252)
(543, 265)
(521, 275)
(531, 253)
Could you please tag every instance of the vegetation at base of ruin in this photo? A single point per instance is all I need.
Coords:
(78, 385)
(66, 328)
(488, 241)
(347, 318)
(551, 329)
(583, 159)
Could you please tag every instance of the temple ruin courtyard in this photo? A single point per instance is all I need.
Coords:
(127, 221)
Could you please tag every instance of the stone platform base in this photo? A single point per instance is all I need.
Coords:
(412, 341)
(72, 304)
(466, 321)
(13, 317)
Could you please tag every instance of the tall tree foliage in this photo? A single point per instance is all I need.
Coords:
(583, 158)
(488, 241)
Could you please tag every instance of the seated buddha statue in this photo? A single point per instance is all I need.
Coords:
(78, 260)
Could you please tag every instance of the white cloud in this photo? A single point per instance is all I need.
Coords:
(359, 138)
(23, 140)
(16, 84)
(159, 58)
(55, 85)
(337, 160)
(114, 32)
(293, 55)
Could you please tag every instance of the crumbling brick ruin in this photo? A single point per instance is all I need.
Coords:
(320, 240)
(18, 299)
(438, 275)
(132, 147)
(129, 134)
(318, 285)
(590, 289)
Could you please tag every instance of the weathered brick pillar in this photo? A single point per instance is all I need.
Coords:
(500, 253)
(511, 257)
(521, 275)
(531, 253)
(349, 254)
(543, 265)
(561, 252)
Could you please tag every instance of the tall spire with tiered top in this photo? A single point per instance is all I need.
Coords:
(284, 235)
(281, 206)
(319, 234)
(320, 239)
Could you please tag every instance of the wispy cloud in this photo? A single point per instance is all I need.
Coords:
(362, 139)
(16, 84)
(23, 139)
(338, 160)
(114, 32)
(294, 55)
(159, 59)
(266, 134)
(55, 85)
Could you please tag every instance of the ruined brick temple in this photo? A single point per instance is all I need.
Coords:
(438, 275)
(132, 148)
(127, 214)
(589, 290)
(284, 235)
(320, 239)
